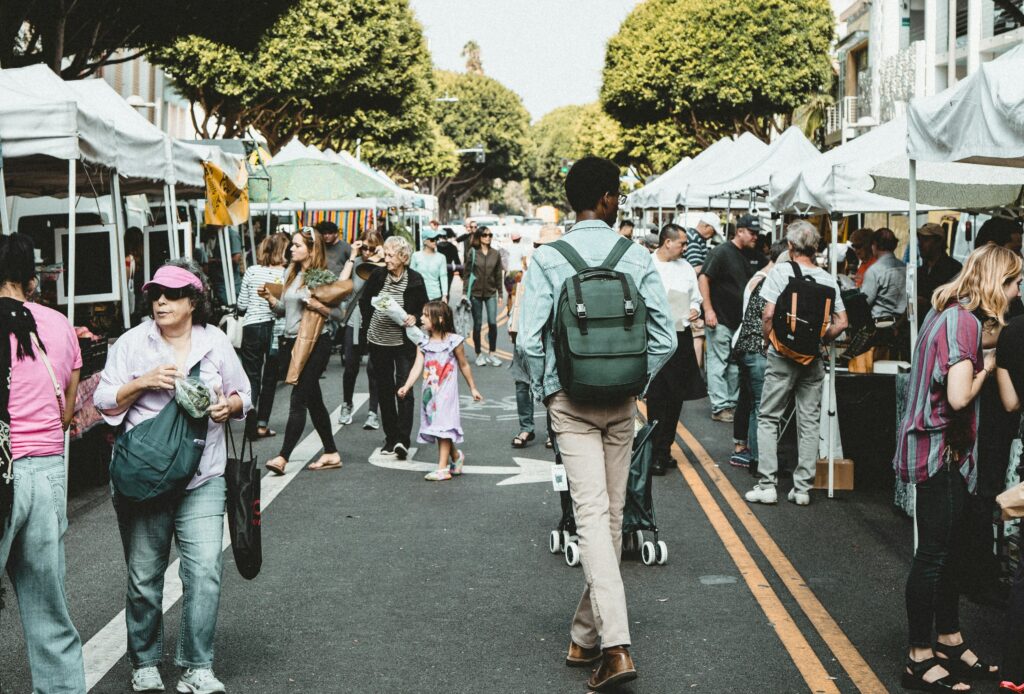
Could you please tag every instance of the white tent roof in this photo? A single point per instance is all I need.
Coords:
(31, 125)
(838, 180)
(980, 119)
(701, 181)
(954, 186)
(403, 197)
(648, 194)
(790, 150)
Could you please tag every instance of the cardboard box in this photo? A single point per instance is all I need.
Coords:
(842, 478)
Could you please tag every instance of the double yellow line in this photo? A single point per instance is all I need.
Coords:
(794, 641)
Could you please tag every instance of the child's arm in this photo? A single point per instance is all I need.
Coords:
(417, 369)
(467, 373)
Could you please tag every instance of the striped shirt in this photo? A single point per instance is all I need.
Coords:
(696, 248)
(383, 331)
(257, 310)
(930, 424)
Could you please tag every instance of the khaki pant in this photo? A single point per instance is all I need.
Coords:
(595, 442)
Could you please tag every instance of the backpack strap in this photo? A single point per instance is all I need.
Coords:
(570, 254)
(579, 265)
(620, 249)
(796, 269)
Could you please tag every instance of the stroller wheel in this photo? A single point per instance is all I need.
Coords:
(555, 542)
(647, 553)
(572, 554)
(661, 555)
(639, 535)
(566, 538)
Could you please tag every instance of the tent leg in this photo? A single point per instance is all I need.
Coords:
(831, 409)
(5, 214)
(912, 265)
(171, 235)
(225, 263)
(187, 250)
(122, 278)
(70, 260)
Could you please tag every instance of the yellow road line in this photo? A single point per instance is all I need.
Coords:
(800, 651)
(846, 653)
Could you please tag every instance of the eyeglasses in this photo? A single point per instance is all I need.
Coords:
(155, 291)
(368, 249)
(486, 236)
(619, 196)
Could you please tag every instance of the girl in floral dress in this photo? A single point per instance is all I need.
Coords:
(439, 354)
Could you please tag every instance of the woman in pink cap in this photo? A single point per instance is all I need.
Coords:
(137, 382)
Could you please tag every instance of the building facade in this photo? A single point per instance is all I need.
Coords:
(148, 89)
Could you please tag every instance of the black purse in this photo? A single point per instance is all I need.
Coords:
(242, 475)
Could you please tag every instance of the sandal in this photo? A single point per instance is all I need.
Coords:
(521, 440)
(265, 433)
(455, 467)
(548, 444)
(439, 475)
(330, 465)
(954, 655)
(276, 469)
(914, 672)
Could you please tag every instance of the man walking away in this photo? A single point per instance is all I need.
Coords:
(785, 377)
(595, 439)
(626, 229)
(885, 286)
(936, 269)
(725, 275)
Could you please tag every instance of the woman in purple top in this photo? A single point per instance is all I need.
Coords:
(137, 382)
(936, 451)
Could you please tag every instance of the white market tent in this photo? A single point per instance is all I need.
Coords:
(790, 150)
(647, 196)
(699, 181)
(400, 197)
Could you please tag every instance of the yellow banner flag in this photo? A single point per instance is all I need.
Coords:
(226, 203)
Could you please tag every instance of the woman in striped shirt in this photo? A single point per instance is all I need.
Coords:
(259, 359)
(936, 451)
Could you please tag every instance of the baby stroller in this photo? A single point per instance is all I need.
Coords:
(639, 528)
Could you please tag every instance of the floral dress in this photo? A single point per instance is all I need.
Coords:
(439, 405)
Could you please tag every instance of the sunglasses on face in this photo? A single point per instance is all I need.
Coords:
(486, 236)
(154, 293)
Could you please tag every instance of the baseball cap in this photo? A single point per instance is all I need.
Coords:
(712, 220)
(749, 221)
(516, 236)
(430, 233)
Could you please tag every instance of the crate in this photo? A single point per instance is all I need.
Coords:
(842, 478)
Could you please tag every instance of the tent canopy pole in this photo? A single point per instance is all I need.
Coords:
(5, 214)
(70, 260)
(912, 265)
(122, 279)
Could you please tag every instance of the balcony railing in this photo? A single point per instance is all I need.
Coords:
(845, 113)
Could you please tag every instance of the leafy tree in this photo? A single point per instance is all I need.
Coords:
(688, 71)
(77, 37)
(331, 72)
(563, 135)
(487, 113)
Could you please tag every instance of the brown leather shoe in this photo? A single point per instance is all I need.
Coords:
(616, 668)
(580, 656)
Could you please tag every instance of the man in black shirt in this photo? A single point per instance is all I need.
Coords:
(723, 278)
(451, 254)
(937, 268)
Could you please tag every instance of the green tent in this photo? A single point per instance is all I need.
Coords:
(305, 175)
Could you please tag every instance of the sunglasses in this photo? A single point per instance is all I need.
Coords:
(309, 232)
(154, 292)
(368, 249)
(486, 236)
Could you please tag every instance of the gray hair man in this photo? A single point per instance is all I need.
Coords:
(785, 378)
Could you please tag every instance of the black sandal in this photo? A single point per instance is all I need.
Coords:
(914, 680)
(957, 666)
(520, 441)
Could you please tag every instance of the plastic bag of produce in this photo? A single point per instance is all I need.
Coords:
(193, 396)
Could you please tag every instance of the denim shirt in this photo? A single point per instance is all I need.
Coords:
(549, 269)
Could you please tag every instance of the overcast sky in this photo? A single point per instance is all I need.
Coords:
(550, 52)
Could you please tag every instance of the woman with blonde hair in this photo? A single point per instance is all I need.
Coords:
(937, 452)
(259, 341)
(307, 253)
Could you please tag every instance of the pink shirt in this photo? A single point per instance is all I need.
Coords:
(139, 350)
(35, 415)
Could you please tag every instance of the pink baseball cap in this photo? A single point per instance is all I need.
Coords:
(173, 277)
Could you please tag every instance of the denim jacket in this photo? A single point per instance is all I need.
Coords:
(548, 270)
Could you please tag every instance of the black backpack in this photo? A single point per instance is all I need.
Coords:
(803, 313)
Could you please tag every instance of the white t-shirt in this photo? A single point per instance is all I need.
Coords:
(780, 275)
(515, 257)
(681, 286)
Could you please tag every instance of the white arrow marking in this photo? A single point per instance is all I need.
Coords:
(526, 470)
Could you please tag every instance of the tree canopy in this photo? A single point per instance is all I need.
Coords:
(681, 73)
(76, 37)
(563, 135)
(330, 72)
(487, 113)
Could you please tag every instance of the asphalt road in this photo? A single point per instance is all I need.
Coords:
(377, 581)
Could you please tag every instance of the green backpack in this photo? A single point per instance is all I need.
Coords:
(159, 456)
(600, 330)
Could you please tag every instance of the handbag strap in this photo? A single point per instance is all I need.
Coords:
(53, 377)
(234, 449)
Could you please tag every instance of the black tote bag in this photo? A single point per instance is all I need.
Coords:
(243, 488)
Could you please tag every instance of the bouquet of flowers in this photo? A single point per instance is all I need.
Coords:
(324, 286)
(387, 306)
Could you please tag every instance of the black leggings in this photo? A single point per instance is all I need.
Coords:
(393, 365)
(261, 368)
(306, 395)
(353, 356)
(933, 596)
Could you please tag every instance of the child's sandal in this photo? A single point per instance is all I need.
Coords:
(441, 475)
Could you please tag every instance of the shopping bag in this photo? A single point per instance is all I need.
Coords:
(1011, 502)
(232, 327)
(243, 501)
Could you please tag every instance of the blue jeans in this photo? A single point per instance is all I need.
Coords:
(723, 376)
(491, 303)
(752, 368)
(524, 407)
(32, 549)
(196, 520)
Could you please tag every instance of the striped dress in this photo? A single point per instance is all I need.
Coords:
(930, 424)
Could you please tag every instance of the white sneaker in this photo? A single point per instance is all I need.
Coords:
(762, 495)
(346, 415)
(147, 679)
(481, 359)
(799, 498)
(372, 422)
(200, 681)
(493, 360)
